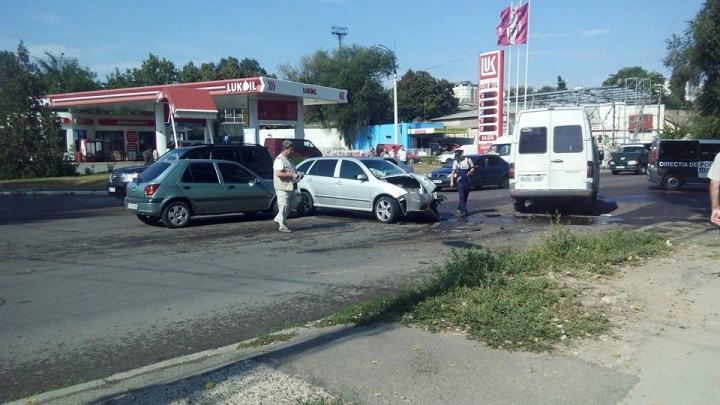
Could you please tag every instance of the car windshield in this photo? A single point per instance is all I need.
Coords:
(630, 149)
(381, 168)
(152, 172)
(449, 163)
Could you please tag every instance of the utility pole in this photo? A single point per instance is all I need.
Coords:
(395, 105)
(339, 32)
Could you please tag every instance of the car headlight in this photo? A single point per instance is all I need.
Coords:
(128, 177)
(449, 175)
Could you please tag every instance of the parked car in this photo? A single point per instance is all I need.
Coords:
(445, 157)
(365, 184)
(397, 162)
(173, 191)
(302, 148)
(490, 170)
(255, 157)
(631, 157)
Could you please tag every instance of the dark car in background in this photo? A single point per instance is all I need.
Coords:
(490, 170)
(631, 158)
(254, 157)
(173, 191)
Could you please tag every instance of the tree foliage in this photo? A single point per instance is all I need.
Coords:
(694, 58)
(154, 71)
(62, 74)
(422, 97)
(357, 69)
(228, 68)
(31, 140)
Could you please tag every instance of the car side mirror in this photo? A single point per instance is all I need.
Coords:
(362, 177)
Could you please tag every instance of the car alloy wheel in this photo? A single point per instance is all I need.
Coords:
(176, 214)
(386, 210)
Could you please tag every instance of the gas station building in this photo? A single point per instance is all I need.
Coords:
(158, 116)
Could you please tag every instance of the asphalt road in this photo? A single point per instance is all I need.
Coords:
(87, 290)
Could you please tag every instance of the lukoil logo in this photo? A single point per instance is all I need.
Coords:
(488, 66)
(241, 87)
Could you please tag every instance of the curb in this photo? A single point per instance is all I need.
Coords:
(127, 381)
(52, 192)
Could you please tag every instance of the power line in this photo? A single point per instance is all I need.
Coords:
(452, 61)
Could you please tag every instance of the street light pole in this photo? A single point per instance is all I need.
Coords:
(395, 105)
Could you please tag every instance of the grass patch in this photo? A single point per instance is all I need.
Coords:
(505, 298)
(267, 339)
(95, 181)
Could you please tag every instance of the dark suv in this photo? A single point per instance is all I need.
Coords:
(631, 158)
(254, 157)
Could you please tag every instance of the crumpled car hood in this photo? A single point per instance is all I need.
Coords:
(411, 181)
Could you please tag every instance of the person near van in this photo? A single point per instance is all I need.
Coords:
(284, 176)
(461, 170)
(384, 153)
(392, 152)
(402, 154)
(148, 156)
(371, 152)
(714, 176)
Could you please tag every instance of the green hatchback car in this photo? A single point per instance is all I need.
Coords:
(174, 191)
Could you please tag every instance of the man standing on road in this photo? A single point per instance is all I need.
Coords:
(714, 176)
(461, 170)
(284, 176)
(402, 154)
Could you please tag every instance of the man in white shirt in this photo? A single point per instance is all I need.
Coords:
(714, 176)
(402, 154)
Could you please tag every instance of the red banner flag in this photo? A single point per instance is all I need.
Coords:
(502, 39)
(521, 26)
(512, 29)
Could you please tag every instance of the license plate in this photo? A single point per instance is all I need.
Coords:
(619, 167)
(111, 189)
(530, 179)
(132, 206)
(437, 181)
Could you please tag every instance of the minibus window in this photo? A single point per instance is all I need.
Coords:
(533, 140)
(567, 139)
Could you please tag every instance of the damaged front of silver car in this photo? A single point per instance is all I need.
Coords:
(420, 195)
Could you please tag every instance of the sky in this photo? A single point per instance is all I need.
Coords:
(584, 41)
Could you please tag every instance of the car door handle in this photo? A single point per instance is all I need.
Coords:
(557, 161)
(231, 187)
(186, 187)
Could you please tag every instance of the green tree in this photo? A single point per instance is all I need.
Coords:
(422, 97)
(31, 140)
(694, 58)
(65, 75)
(154, 71)
(360, 71)
(624, 77)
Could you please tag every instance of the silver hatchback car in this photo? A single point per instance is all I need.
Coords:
(365, 184)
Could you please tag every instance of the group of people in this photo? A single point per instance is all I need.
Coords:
(394, 152)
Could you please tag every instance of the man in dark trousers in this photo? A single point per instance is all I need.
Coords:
(460, 176)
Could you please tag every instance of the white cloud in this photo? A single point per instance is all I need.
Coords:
(47, 17)
(595, 32)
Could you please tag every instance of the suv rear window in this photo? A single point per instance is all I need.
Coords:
(252, 155)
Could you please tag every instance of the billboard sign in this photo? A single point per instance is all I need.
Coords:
(491, 68)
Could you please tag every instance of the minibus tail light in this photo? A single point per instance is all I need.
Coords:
(590, 169)
(511, 172)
